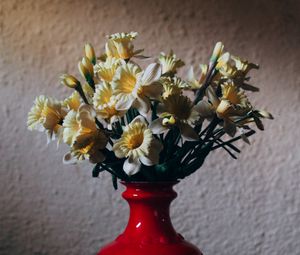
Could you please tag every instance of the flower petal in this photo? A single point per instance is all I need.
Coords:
(190, 75)
(187, 132)
(157, 127)
(131, 166)
(124, 104)
(151, 74)
(212, 97)
(204, 109)
(138, 118)
(154, 90)
(142, 104)
(97, 157)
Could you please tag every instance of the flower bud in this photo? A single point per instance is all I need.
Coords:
(217, 51)
(265, 114)
(223, 60)
(168, 121)
(90, 53)
(86, 68)
(69, 81)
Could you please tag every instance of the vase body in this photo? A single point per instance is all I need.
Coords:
(149, 230)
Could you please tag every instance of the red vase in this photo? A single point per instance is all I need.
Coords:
(149, 230)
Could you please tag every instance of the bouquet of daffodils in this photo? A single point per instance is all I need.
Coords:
(149, 125)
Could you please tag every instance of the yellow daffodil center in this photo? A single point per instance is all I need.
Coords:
(231, 93)
(128, 81)
(134, 141)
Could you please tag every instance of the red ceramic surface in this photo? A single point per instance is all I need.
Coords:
(149, 230)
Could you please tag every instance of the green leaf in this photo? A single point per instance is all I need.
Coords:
(97, 170)
(114, 181)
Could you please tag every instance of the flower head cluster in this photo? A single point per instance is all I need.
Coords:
(148, 123)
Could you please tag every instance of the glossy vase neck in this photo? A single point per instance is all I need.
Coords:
(149, 219)
(149, 230)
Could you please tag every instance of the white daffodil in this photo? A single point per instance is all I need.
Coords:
(120, 45)
(172, 86)
(169, 62)
(133, 87)
(193, 82)
(235, 69)
(177, 110)
(72, 102)
(106, 70)
(232, 104)
(82, 134)
(138, 146)
(47, 115)
(105, 103)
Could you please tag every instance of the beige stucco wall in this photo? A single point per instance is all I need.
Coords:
(248, 206)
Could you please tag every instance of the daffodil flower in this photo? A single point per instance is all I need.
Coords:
(177, 110)
(172, 85)
(193, 82)
(85, 139)
(138, 145)
(72, 102)
(233, 103)
(47, 116)
(133, 87)
(106, 70)
(105, 103)
(169, 62)
(120, 45)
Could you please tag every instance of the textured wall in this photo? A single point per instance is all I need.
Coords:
(248, 206)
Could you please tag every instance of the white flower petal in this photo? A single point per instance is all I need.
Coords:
(124, 104)
(151, 74)
(138, 118)
(212, 97)
(153, 157)
(187, 132)
(157, 127)
(131, 166)
(148, 161)
(154, 90)
(190, 74)
(142, 104)
(204, 109)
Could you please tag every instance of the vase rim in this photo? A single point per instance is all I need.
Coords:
(150, 182)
